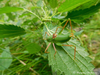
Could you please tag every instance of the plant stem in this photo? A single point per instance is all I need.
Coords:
(35, 9)
(47, 28)
(43, 10)
(29, 67)
(63, 22)
(33, 13)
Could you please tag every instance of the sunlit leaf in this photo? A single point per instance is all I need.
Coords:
(71, 4)
(9, 9)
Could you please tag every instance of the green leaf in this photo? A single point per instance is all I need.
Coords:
(71, 4)
(53, 3)
(58, 17)
(32, 48)
(80, 15)
(64, 61)
(5, 59)
(10, 31)
(9, 9)
(88, 4)
(78, 33)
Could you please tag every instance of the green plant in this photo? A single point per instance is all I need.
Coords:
(32, 22)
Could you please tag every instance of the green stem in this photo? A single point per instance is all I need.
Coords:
(47, 28)
(63, 22)
(35, 9)
(80, 40)
(43, 11)
(55, 14)
(33, 13)
(46, 12)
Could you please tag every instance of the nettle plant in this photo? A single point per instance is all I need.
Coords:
(65, 53)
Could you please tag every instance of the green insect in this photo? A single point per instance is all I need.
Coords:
(60, 38)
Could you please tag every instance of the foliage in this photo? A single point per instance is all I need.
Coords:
(81, 63)
(80, 15)
(32, 47)
(71, 4)
(22, 28)
(92, 40)
(9, 9)
(6, 59)
(10, 31)
(53, 3)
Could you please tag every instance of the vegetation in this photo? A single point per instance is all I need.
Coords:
(23, 41)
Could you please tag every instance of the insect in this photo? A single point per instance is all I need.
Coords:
(60, 38)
